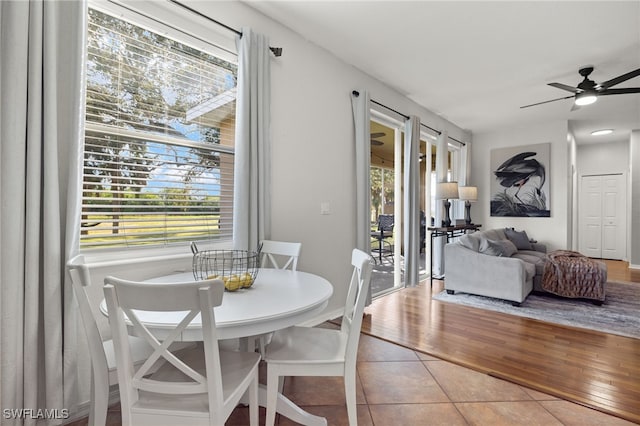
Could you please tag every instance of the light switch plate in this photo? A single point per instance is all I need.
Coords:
(325, 208)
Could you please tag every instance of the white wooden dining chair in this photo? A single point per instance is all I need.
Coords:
(305, 351)
(201, 386)
(101, 351)
(280, 254)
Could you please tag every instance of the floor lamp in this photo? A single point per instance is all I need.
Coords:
(469, 194)
(447, 191)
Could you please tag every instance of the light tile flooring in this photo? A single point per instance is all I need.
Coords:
(399, 386)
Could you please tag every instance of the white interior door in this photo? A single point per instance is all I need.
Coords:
(591, 216)
(602, 216)
(614, 217)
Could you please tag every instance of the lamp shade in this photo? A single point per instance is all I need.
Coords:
(446, 190)
(468, 193)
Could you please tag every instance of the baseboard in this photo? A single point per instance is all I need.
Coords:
(634, 266)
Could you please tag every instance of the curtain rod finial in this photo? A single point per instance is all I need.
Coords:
(277, 51)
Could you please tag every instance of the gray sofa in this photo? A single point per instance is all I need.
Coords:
(501, 263)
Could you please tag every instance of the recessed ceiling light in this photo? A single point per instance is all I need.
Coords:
(601, 132)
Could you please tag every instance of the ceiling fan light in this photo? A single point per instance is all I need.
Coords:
(602, 132)
(585, 98)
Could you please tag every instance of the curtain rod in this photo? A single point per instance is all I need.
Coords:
(356, 94)
(277, 51)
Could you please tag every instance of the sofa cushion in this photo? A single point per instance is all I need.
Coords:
(494, 234)
(532, 258)
(470, 241)
(519, 238)
(538, 254)
(504, 248)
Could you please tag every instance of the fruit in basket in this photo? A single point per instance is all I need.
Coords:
(213, 277)
(246, 280)
(232, 283)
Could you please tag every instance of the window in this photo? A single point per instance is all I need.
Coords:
(159, 139)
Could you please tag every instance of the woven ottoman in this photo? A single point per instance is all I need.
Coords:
(571, 274)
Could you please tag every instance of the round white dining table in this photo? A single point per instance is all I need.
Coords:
(276, 300)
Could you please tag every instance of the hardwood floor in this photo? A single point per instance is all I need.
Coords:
(598, 370)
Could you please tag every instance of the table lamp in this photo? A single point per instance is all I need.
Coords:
(446, 191)
(468, 194)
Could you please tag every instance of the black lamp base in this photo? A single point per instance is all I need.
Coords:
(467, 212)
(447, 219)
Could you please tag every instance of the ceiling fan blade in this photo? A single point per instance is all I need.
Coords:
(377, 135)
(621, 91)
(376, 142)
(564, 87)
(546, 102)
(620, 79)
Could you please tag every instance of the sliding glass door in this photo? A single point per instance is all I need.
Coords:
(387, 209)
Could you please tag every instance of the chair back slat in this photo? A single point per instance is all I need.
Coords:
(287, 252)
(166, 297)
(161, 352)
(356, 298)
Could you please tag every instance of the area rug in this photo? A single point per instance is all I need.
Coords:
(619, 314)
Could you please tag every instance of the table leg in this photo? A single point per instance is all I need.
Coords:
(287, 408)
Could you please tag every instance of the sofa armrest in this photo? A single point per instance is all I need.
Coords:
(494, 276)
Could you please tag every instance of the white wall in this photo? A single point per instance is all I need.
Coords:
(599, 159)
(553, 231)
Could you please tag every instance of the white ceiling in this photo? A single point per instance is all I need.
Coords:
(475, 63)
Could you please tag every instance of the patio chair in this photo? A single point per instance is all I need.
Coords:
(202, 385)
(385, 231)
(307, 351)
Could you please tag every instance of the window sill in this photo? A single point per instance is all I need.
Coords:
(117, 257)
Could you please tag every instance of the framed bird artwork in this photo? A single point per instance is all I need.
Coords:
(520, 181)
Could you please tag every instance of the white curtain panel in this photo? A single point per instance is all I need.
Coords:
(41, 75)
(411, 201)
(442, 151)
(362, 122)
(360, 104)
(252, 173)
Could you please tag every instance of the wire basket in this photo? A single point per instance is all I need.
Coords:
(237, 268)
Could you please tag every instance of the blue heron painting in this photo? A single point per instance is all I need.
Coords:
(520, 182)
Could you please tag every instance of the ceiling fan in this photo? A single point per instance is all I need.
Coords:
(377, 135)
(587, 91)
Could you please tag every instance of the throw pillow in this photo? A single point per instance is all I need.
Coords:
(518, 238)
(470, 241)
(501, 248)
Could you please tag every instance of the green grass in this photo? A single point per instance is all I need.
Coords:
(152, 229)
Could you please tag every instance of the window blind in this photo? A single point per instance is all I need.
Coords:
(159, 139)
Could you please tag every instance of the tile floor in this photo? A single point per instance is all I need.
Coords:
(399, 386)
